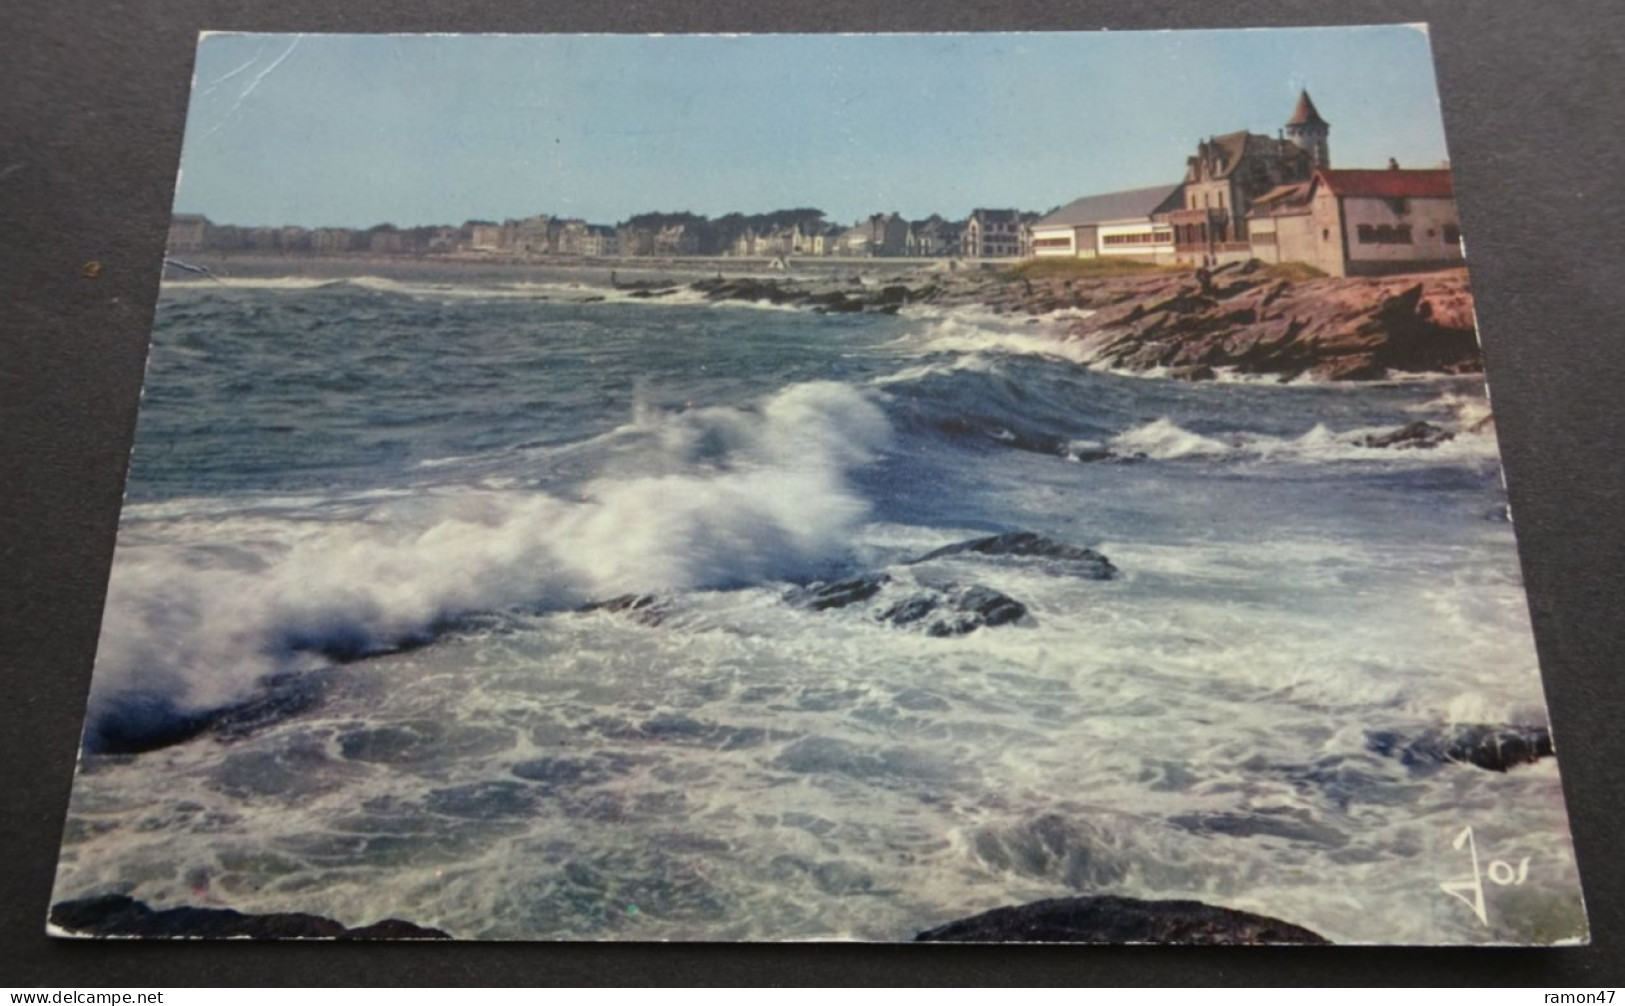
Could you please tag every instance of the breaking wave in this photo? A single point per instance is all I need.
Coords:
(200, 610)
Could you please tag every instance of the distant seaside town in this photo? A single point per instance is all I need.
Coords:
(1243, 196)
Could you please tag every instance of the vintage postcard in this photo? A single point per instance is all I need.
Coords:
(1019, 487)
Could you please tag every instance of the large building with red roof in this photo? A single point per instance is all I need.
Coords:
(1360, 222)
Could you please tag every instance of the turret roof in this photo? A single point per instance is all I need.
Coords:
(1305, 114)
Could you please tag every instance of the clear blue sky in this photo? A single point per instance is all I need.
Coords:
(354, 130)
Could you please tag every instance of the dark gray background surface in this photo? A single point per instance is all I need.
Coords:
(92, 101)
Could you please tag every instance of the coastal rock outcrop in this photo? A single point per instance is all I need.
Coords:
(137, 722)
(1084, 562)
(939, 610)
(1496, 748)
(945, 607)
(1249, 320)
(1111, 919)
(1352, 329)
(119, 915)
(1412, 436)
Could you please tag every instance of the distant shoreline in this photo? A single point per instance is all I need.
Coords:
(1252, 320)
(595, 271)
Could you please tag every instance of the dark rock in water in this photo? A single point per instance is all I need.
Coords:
(285, 695)
(957, 610)
(1090, 564)
(645, 608)
(1110, 919)
(910, 609)
(835, 303)
(141, 721)
(1417, 435)
(1496, 748)
(975, 607)
(1194, 372)
(961, 610)
(1091, 454)
(144, 721)
(120, 915)
(823, 596)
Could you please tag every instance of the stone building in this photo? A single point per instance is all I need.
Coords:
(932, 237)
(599, 241)
(534, 235)
(1229, 172)
(994, 234)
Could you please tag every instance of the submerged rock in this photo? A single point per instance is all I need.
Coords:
(1027, 544)
(940, 610)
(1496, 748)
(970, 608)
(1417, 435)
(122, 916)
(947, 610)
(823, 596)
(1110, 919)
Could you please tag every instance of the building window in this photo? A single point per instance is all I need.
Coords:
(1384, 234)
(1325, 233)
(1452, 235)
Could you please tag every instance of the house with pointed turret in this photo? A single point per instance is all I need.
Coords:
(1307, 131)
(1229, 172)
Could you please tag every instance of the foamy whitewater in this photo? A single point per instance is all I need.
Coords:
(400, 501)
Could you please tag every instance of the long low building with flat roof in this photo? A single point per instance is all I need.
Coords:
(1115, 224)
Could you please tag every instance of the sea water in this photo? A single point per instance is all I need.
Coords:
(414, 491)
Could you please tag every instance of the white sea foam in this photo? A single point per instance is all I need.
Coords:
(972, 330)
(560, 291)
(1164, 440)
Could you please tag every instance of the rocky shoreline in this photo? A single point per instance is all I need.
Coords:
(1248, 319)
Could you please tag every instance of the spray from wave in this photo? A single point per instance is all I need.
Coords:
(200, 611)
(1165, 440)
